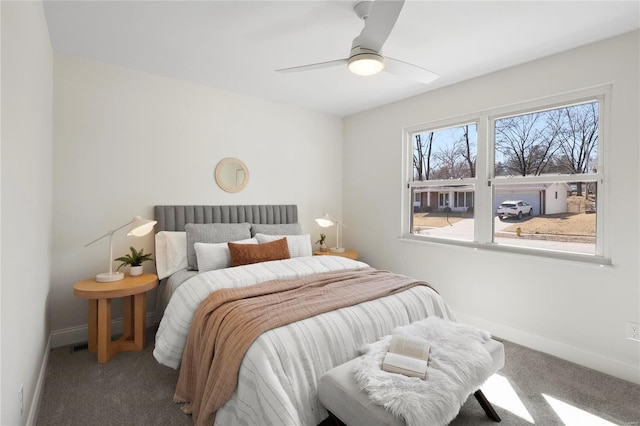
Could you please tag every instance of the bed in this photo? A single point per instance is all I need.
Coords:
(278, 376)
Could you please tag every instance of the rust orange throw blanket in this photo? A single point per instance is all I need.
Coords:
(229, 320)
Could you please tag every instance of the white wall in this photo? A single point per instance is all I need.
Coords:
(125, 141)
(556, 205)
(26, 192)
(575, 311)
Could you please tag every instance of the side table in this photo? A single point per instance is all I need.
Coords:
(133, 290)
(350, 253)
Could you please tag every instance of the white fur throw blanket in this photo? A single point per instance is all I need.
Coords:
(458, 366)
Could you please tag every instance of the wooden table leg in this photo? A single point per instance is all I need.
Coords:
(135, 318)
(93, 325)
(140, 320)
(127, 313)
(104, 330)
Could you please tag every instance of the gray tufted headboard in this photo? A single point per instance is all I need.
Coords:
(173, 218)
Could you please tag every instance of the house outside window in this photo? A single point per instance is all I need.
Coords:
(463, 200)
(549, 155)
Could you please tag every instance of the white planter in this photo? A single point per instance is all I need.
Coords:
(134, 271)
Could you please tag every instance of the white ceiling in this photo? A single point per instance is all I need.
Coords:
(237, 45)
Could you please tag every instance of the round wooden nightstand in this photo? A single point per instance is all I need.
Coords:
(133, 290)
(350, 253)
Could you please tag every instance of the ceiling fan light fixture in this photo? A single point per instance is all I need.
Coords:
(366, 64)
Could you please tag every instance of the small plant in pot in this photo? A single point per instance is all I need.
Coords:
(323, 246)
(135, 260)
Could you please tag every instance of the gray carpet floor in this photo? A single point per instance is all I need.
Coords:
(133, 389)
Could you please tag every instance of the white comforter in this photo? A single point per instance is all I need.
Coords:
(278, 378)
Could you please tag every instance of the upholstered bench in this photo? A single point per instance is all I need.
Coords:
(339, 394)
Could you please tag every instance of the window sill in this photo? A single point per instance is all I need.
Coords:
(520, 251)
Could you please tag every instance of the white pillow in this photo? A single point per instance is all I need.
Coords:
(299, 245)
(212, 256)
(171, 253)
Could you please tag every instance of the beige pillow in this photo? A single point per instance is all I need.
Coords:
(216, 256)
(245, 254)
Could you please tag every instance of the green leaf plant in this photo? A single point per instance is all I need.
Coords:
(134, 259)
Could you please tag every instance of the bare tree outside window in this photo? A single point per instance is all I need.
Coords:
(469, 151)
(560, 141)
(422, 155)
(445, 154)
(527, 144)
(578, 133)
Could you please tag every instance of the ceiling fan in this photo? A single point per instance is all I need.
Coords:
(366, 56)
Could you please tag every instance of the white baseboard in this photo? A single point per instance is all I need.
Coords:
(79, 334)
(32, 418)
(561, 350)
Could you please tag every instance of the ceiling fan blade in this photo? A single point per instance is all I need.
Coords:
(410, 71)
(379, 23)
(316, 66)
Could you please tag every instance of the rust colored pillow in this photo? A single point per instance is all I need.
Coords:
(244, 254)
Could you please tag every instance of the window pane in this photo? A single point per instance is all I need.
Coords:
(444, 211)
(552, 216)
(445, 154)
(563, 140)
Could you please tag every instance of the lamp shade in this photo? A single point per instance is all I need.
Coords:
(140, 226)
(365, 64)
(325, 221)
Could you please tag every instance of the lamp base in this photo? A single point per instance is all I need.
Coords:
(337, 249)
(107, 277)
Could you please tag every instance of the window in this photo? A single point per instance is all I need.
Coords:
(442, 156)
(464, 199)
(527, 178)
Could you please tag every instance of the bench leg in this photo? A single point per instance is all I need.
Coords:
(332, 420)
(486, 406)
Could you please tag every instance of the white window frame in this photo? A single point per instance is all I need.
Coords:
(485, 180)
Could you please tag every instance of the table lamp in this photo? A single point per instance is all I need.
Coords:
(139, 227)
(325, 222)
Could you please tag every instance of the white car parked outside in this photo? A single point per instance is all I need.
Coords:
(514, 208)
